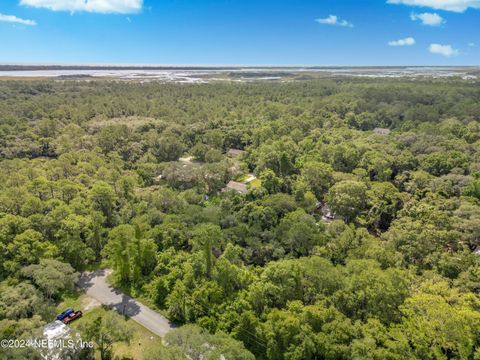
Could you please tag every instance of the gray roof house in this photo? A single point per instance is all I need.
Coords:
(236, 186)
(235, 152)
(381, 131)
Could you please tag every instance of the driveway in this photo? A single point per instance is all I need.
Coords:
(96, 286)
(250, 178)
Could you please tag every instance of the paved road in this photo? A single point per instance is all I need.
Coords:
(96, 286)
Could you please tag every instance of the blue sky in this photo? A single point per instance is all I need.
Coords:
(282, 32)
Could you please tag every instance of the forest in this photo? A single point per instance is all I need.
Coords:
(92, 174)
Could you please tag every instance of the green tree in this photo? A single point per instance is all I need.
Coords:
(318, 176)
(213, 156)
(439, 328)
(207, 237)
(214, 138)
(27, 248)
(370, 292)
(148, 256)
(104, 330)
(51, 276)
(117, 249)
(20, 301)
(384, 200)
(299, 233)
(166, 147)
(23, 329)
(74, 235)
(271, 182)
(347, 199)
(103, 199)
(198, 344)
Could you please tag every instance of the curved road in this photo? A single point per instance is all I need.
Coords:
(95, 285)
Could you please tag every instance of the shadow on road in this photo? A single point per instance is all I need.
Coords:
(127, 306)
(86, 279)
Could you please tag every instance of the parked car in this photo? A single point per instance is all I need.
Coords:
(65, 313)
(72, 316)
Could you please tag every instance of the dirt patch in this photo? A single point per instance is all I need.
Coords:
(89, 303)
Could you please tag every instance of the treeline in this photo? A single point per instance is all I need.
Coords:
(92, 168)
(35, 113)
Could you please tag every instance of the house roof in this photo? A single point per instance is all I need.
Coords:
(381, 131)
(235, 152)
(234, 185)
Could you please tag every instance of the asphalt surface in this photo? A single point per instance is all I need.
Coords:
(96, 286)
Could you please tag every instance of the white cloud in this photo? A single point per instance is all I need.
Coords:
(16, 20)
(445, 50)
(334, 20)
(431, 19)
(409, 41)
(97, 6)
(447, 5)
(471, 44)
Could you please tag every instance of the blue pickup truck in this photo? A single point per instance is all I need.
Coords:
(65, 314)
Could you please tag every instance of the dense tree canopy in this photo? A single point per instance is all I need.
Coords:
(349, 243)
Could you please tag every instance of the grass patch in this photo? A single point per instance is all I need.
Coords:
(255, 183)
(141, 340)
(242, 178)
(72, 299)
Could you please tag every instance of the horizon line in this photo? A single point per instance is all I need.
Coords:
(153, 65)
